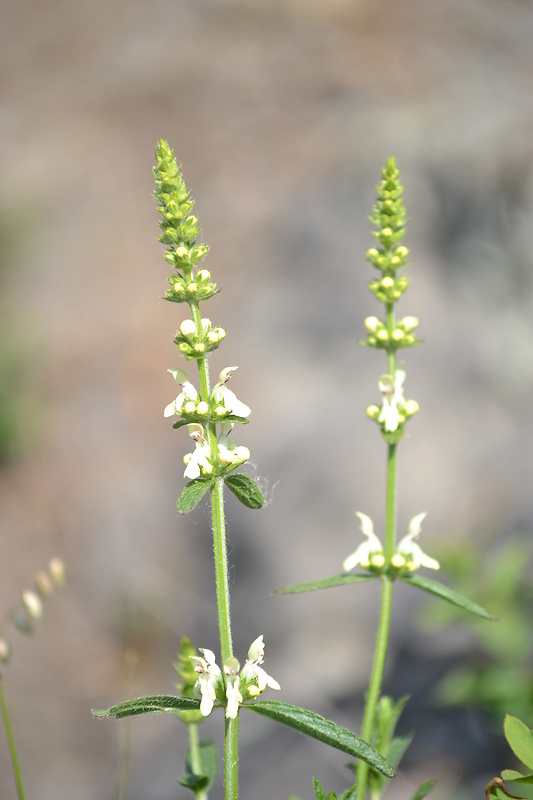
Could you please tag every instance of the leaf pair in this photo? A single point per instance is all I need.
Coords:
(425, 584)
(299, 719)
(242, 486)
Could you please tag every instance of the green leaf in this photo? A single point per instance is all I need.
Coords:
(516, 777)
(208, 765)
(349, 794)
(245, 490)
(192, 494)
(180, 423)
(311, 724)
(319, 791)
(423, 790)
(325, 583)
(149, 705)
(520, 739)
(440, 590)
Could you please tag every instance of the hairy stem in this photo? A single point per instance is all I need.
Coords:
(231, 759)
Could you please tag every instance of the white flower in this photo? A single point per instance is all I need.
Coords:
(188, 393)
(411, 551)
(198, 461)
(227, 452)
(393, 399)
(234, 698)
(225, 397)
(209, 680)
(366, 550)
(252, 672)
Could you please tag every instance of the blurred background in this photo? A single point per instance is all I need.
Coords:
(282, 113)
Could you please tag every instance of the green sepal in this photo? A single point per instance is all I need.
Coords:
(180, 423)
(326, 583)
(324, 730)
(424, 790)
(245, 490)
(192, 494)
(444, 592)
(153, 704)
(520, 739)
(208, 759)
(393, 437)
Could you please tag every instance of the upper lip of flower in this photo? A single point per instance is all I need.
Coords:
(227, 398)
(188, 392)
(411, 550)
(366, 549)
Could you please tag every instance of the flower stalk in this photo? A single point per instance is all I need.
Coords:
(389, 217)
(210, 415)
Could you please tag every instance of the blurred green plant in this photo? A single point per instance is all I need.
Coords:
(498, 677)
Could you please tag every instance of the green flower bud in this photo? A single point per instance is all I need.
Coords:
(372, 411)
(397, 335)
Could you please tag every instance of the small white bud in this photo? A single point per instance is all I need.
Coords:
(188, 329)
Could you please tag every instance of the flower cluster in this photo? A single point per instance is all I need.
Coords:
(231, 686)
(390, 334)
(407, 557)
(395, 409)
(201, 409)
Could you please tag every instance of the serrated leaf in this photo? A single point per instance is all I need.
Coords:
(245, 490)
(326, 583)
(424, 790)
(349, 794)
(520, 739)
(149, 705)
(444, 592)
(192, 494)
(516, 777)
(326, 731)
(318, 790)
(204, 779)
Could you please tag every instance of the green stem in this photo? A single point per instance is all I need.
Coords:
(196, 761)
(221, 569)
(231, 759)
(11, 743)
(231, 741)
(380, 654)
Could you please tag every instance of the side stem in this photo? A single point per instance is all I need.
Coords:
(11, 743)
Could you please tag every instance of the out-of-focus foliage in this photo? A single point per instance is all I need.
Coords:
(498, 673)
